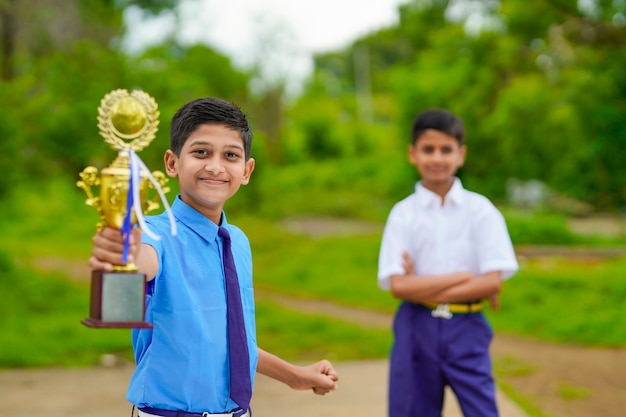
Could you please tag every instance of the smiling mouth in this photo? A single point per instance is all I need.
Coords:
(216, 181)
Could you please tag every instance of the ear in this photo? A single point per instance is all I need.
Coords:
(411, 151)
(248, 171)
(463, 153)
(171, 163)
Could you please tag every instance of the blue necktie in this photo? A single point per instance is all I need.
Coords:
(240, 385)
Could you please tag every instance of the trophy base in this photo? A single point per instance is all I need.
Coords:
(91, 322)
(117, 300)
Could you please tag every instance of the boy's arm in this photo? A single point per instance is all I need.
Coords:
(447, 288)
(421, 288)
(320, 376)
(108, 248)
(481, 287)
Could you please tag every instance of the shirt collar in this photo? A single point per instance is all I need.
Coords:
(427, 198)
(195, 220)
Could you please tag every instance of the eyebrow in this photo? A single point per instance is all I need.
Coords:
(205, 143)
(239, 147)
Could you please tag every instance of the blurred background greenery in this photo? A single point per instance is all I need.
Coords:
(541, 87)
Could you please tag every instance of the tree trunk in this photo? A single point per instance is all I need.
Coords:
(7, 40)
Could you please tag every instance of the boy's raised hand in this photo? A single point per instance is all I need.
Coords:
(108, 249)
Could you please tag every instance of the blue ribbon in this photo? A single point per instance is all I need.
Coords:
(136, 166)
(133, 202)
(127, 225)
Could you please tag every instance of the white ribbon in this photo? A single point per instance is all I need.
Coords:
(135, 164)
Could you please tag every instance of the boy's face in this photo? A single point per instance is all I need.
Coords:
(210, 169)
(437, 156)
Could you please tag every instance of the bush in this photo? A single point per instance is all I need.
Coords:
(539, 228)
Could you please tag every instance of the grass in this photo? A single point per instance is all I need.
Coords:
(298, 336)
(555, 298)
(568, 391)
(526, 403)
(560, 299)
(339, 269)
(512, 367)
(40, 322)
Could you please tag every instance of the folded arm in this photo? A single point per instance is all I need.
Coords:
(420, 288)
(478, 288)
(446, 288)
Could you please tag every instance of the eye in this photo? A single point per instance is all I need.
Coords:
(232, 155)
(200, 152)
(428, 149)
(446, 150)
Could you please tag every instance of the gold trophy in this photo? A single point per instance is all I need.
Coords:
(128, 123)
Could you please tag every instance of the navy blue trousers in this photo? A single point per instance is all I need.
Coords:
(430, 353)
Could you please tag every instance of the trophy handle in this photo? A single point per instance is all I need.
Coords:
(151, 204)
(89, 179)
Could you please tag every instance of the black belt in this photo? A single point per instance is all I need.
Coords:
(172, 413)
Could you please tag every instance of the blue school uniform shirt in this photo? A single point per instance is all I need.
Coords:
(465, 233)
(182, 363)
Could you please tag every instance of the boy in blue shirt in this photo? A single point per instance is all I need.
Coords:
(444, 249)
(183, 362)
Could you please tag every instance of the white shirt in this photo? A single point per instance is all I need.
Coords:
(466, 233)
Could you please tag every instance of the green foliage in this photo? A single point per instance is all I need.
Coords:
(40, 321)
(336, 268)
(533, 22)
(297, 336)
(561, 299)
(539, 86)
(539, 228)
(345, 187)
(49, 107)
(47, 209)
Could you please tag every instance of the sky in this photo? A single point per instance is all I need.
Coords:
(282, 35)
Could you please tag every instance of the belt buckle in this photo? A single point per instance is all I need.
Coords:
(442, 311)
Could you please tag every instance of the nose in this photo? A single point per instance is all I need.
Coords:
(437, 155)
(214, 166)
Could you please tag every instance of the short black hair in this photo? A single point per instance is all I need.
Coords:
(209, 110)
(441, 120)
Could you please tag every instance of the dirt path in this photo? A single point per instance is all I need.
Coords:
(560, 380)
(99, 392)
(564, 380)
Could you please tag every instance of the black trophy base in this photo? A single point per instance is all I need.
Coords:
(117, 300)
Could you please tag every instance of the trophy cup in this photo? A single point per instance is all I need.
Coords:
(128, 123)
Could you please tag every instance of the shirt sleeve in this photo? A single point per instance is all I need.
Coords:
(147, 239)
(394, 243)
(157, 244)
(495, 249)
